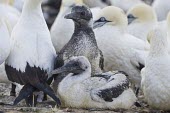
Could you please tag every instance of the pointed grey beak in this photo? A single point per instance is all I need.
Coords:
(69, 68)
(98, 24)
(70, 16)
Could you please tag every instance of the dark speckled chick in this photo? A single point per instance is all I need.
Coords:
(82, 42)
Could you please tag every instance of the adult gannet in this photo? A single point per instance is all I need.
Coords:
(121, 50)
(141, 19)
(78, 89)
(32, 54)
(155, 75)
(62, 29)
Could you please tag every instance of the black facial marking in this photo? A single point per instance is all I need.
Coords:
(102, 19)
(130, 16)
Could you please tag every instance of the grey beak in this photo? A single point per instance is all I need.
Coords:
(98, 24)
(69, 16)
(68, 69)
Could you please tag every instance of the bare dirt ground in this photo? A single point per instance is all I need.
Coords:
(49, 106)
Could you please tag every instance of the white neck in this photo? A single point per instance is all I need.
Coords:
(32, 7)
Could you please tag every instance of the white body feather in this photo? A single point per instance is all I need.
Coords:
(4, 41)
(141, 30)
(31, 41)
(121, 51)
(155, 75)
(162, 7)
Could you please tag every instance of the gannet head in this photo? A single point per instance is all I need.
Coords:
(141, 13)
(111, 15)
(76, 65)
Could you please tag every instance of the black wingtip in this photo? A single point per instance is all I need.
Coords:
(137, 104)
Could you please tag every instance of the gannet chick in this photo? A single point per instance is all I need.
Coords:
(32, 54)
(108, 90)
(82, 42)
(4, 41)
(162, 8)
(139, 17)
(121, 50)
(125, 4)
(155, 75)
(62, 29)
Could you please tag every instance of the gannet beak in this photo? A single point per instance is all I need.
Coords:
(69, 68)
(98, 24)
(70, 16)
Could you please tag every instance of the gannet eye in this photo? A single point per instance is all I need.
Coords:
(102, 19)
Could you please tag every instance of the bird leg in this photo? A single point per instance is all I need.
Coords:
(26, 91)
(47, 89)
(49, 81)
(13, 93)
(31, 100)
(137, 91)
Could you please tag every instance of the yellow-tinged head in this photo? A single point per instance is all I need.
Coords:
(141, 13)
(10, 2)
(111, 15)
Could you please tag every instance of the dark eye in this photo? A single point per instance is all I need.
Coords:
(102, 19)
(82, 13)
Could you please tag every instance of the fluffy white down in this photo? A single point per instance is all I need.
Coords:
(80, 91)
(162, 7)
(31, 41)
(155, 76)
(121, 51)
(125, 4)
(62, 29)
(4, 41)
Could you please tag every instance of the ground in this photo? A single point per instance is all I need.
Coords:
(49, 106)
